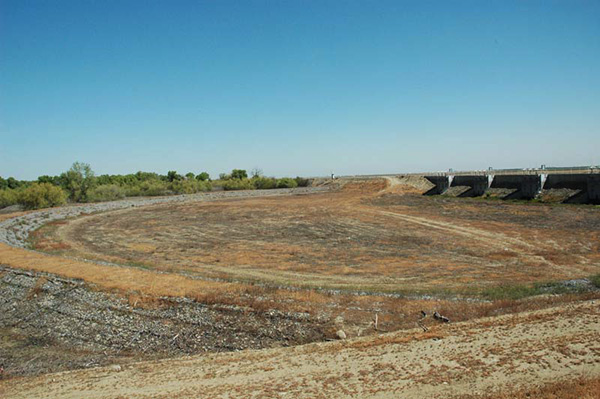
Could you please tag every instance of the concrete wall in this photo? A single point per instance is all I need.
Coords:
(526, 185)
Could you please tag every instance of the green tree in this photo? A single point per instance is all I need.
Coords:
(13, 183)
(3, 183)
(145, 176)
(78, 180)
(239, 174)
(47, 179)
(173, 175)
(190, 176)
(203, 176)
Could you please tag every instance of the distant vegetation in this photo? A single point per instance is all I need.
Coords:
(80, 184)
(238, 180)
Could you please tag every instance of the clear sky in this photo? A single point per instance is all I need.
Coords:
(297, 87)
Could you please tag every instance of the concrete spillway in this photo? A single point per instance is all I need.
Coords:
(441, 184)
(478, 184)
(587, 184)
(526, 185)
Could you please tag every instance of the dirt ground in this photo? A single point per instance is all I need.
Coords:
(364, 237)
(269, 275)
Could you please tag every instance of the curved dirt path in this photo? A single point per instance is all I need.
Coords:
(14, 230)
(497, 240)
(493, 239)
(449, 360)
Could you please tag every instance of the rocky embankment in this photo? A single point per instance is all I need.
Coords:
(50, 324)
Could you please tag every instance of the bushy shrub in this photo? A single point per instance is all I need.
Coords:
(264, 183)
(8, 197)
(148, 188)
(133, 191)
(153, 188)
(302, 182)
(238, 184)
(286, 182)
(42, 195)
(189, 186)
(106, 192)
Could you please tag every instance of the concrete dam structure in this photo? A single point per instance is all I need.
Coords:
(527, 184)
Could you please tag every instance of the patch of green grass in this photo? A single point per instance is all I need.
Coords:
(520, 291)
(595, 280)
(509, 292)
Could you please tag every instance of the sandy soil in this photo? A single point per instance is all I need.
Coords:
(525, 349)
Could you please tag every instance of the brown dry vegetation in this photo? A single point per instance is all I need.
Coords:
(144, 288)
(287, 253)
(361, 238)
(357, 238)
(579, 388)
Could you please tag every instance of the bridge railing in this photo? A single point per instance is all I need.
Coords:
(513, 171)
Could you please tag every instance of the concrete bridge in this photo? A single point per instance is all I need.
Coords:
(528, 184)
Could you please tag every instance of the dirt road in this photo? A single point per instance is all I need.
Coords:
(517, 350)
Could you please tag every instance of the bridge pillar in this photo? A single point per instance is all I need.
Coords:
(442, 183)
(479, 184)
(527, 186)
(587, 184)
(593, 189)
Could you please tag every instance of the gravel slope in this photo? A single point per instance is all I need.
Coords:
(472, 357)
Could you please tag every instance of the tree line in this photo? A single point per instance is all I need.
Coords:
(80, 184)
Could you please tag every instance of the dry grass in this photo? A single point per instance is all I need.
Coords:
(581, 387)
(360, 238)
(123, 279)
(145, 288)
(432, 246)
(307, 232)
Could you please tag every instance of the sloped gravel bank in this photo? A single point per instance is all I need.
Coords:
(49, 324)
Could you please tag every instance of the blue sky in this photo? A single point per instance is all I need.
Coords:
(297, 87)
